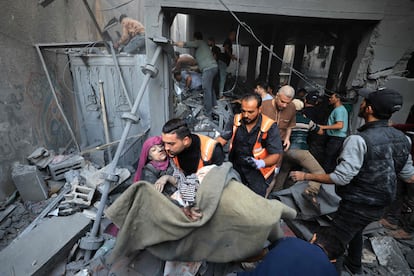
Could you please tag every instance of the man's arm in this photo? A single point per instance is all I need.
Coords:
(351, 159)
(272, 159)
(188, 80)
(337, 125)
(218, 155)
(221, 140)
(286, 142)
(125, 36)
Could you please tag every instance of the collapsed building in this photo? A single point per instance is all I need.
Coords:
(105, 105)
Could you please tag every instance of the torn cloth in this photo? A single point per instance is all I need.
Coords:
(235, 224)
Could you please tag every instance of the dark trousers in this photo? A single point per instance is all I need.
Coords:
(345, 232)
(332, 150)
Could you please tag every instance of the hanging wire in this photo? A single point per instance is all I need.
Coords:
(251, 32)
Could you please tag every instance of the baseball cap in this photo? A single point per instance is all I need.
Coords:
(385, 101)
(312, 97)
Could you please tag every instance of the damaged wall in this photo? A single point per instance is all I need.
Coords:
(29, 117)
(384, 56)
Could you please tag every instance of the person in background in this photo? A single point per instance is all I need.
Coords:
(301, 94)
(336, 131)
(208, 67)
(366, 176)
(133, 36)
(261, 89)
(316, 110)
(189, 81)
(298, 154)
(283, 112)
(255, 145)
(185, 62)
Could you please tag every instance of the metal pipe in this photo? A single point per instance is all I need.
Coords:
(105, 119)
(118, 70)
(39, 52)
(111, 167)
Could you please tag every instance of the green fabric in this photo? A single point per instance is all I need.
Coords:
(235, 224)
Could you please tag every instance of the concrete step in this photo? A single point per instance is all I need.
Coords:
(47, 244)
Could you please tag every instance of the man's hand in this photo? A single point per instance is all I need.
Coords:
(255, 163)
(193, 213)
(286, 145)
(297, 175)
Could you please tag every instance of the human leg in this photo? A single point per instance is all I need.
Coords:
(222, 67)
(332, 151)
(135, 45)
(349, 221)
(209, 98)
(307, 161)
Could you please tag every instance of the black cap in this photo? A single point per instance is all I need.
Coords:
(312, 97)
(385, 101)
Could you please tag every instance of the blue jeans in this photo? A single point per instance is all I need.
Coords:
(209, 97)
(135, 45)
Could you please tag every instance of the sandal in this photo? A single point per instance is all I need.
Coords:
(312, 199)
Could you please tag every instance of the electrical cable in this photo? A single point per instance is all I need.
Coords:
(251, 32)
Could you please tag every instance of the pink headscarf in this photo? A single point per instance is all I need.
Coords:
(143, 158)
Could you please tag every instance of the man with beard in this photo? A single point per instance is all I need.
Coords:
(283, 112)
(365, 177)
(255, 145)
(190, 152)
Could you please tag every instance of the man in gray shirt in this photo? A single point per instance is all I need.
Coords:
(208, 67)
(366, 176)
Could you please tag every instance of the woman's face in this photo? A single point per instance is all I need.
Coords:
(157, 153)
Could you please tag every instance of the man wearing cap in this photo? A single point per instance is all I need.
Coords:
(366, 176)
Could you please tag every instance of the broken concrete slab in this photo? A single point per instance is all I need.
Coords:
(50, 241)
(29, 182)
(390, 256)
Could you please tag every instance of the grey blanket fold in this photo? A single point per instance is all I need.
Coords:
(235, 224)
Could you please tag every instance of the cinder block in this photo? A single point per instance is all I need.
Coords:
(80, 195)
(29, 182)
(57, 170)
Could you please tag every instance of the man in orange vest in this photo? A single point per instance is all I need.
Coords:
(255, 144)
(190, 152)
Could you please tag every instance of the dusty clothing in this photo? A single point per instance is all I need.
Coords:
(188, 160)
(228, 230)
(366, 181)
(387, 152)
(151, 174)
(284, 118)
(130, 28)
(242, 147)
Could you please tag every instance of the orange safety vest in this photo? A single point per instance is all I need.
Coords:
(207, 146)
(258, 151)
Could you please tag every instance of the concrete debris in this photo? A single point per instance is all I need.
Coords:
(41, 157)
(80, 195)
(64, 163)
(29, 182)
(390, 256)
(95, 178)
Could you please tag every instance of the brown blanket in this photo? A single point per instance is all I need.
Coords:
(235, 225)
